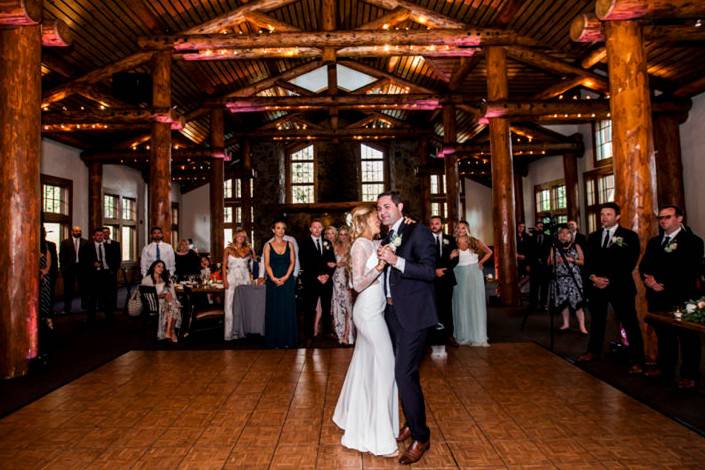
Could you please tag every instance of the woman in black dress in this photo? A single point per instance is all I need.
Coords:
(187, 261)
(280, 328)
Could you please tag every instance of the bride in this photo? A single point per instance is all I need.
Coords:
(367, 409)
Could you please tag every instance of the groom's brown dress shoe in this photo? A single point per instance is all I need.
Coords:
(414, 452)
(404, 434)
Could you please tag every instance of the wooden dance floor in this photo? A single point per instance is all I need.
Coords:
(509, 406)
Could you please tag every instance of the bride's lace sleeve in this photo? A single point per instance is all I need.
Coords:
(359, 255)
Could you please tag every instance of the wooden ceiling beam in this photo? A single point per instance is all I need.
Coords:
(587, 28)
(264, 21)
(333, 133)
(20, 12)
(465, 67)
(103, 99)
(379, 83)
(441, 38)
(236, 16)
(315, 53)
(388, 21)
(566, 108)
(594, 57)
(420, 102)
(693, 88)
(377, 116)
(294, 88)
(97, 75)
(419, 14)
(533, 148)
(364, 68)
(559, 88)
(610, 10)
(111, 116)
(272, 81)
(56, 33)
(535, 131)
(119, 156)
(546, 62)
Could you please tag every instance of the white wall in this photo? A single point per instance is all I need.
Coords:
(692, 154)
(478, 210)
(65, 162)
(195, 217)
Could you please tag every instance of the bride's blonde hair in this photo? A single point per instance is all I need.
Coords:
(360, 215)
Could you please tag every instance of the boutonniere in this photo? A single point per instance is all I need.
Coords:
(395, 241)
(671, 247)
(619, 241)
(326, 244)
(446, 242)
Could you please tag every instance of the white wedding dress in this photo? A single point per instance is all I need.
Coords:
(238, 275)
(367, 409)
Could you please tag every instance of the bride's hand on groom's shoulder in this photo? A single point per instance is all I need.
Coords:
(408, 220)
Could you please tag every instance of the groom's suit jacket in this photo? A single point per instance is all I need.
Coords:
(413, 291)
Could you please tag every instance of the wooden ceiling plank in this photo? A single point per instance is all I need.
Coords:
(236, 16)
(420, 14)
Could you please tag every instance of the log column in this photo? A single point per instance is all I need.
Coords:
(20, 138)
(502, 181)
(95, 196)
(669, 167)
(246, 185)
(424, 181)
(630, 105)
(217, 183)
(450, 159)
(160, 156)
(519, 195)
(570, 172)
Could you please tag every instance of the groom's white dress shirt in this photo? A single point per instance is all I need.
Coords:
(401, 262)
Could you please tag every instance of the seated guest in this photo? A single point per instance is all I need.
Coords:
(567, 284)
(187, 262)
(670, 268)
(469, 305)
(205, 264)
(169, 307)
(280, 329)
(613, 254)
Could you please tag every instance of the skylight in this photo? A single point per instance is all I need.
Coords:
(317, 80)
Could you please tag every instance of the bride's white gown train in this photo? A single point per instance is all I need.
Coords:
(368, 409)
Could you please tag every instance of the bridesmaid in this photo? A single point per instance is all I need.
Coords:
(280, 330)
(341, 304)
(469, 306)
(236, 272)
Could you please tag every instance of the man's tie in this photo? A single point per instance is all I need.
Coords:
(606, 239)
(158, 253)
(539, 239)
(438, 245)
(76, 242)
(666, 241)
(318, 246)
(100, 256)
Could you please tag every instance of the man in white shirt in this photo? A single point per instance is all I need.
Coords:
(157, 250)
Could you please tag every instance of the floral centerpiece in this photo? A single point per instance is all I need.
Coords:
(694, 311)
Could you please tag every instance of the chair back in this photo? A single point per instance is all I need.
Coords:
(150, 301)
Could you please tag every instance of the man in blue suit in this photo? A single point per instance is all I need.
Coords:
(410, 252)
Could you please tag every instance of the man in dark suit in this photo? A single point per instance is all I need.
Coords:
(410, 252)
(540, 246)
(445, 279)
(97, 274)
(614, 252)
(317, 260)
(69, 258)
(670, 268)
(113, 252)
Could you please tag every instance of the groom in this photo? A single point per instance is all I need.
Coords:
(410, 254)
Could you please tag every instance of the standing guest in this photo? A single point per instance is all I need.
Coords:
(341, 305)
(54, 266)
(46, 312)
(157, 250)
(575, 235)
(280, 329)
(523, 249)
(538, 274)
(670, 269)
(297, 267)
(169, 308)
(613, 254)
(113, 252)
(70, 260)
(567, 283)
(236, 272)
(469, 307)
(445, 279)
(330, 234)
(191, 246)
(186, 260)
(98, 275)
(318, 265)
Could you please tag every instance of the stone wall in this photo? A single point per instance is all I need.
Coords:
(338, 175)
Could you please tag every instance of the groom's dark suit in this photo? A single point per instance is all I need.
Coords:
(411, 312)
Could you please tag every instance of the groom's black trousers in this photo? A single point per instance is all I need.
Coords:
(409, 349)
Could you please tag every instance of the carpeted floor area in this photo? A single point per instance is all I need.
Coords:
(80, 348)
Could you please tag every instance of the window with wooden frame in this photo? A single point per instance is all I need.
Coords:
(301, 176)
(599, 189)
(57, 197)
(373, 174)
(120, 216)
(439, 201)
(232, 216)
(602, 133)
(551, 202)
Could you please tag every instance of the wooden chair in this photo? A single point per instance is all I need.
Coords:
(150, 301)
(196, 319)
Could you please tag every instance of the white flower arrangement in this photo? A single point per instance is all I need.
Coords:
(671, 247)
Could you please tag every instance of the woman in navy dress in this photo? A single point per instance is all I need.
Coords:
(280, 330)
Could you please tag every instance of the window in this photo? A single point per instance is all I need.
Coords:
(56, 207)
(228, 235)
(551, 202)
(120, 216)
(111, 203)
(599, 189)
(603, 142)
(301, 176)
(372, 174)
(228, 215)
(228, 189)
